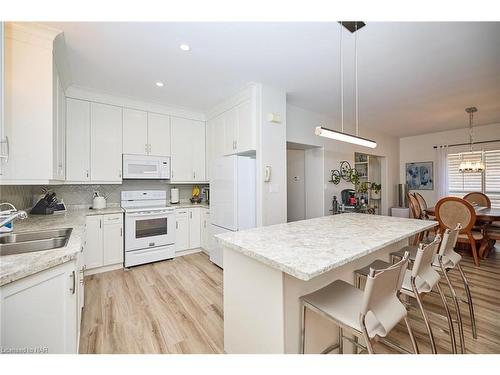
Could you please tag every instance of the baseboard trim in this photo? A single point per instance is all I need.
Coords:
(102, 269)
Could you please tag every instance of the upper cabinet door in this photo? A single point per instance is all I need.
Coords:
(182, 149)
(230, 131)
(77, 140)
(135, 132)
(245, 140)
(159, 134)
(106, 142)
(198, 149)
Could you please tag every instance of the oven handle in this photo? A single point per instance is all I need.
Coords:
(150, 214)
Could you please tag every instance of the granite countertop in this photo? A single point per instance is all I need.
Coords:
(16, 266)
(308, 248)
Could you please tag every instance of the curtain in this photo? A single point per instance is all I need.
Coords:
(441, 179)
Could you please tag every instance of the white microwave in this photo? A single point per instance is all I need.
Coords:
(146, 167)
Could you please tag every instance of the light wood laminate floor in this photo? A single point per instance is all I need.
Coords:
(176, 307)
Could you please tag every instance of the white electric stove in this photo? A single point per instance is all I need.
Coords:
(149, 227)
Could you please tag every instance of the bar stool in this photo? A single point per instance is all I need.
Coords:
(451, 260)
(369, 314)
(420, 280)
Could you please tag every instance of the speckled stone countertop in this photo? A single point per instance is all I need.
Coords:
(308, 248)
(17, 266)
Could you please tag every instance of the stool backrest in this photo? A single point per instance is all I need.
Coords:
(451, 211)
(447, 253)
(422, 267)
(414, 206)
(381, 294)
(478, 198)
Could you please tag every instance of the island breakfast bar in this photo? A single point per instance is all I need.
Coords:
(267, 269)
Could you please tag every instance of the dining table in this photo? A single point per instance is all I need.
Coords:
(484, 216)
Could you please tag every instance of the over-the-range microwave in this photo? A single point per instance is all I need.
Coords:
(146, 167)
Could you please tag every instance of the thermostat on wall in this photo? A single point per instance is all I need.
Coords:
(274, 117)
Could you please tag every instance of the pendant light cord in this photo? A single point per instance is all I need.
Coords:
(356, 74)
(471, 136)
(341, 82)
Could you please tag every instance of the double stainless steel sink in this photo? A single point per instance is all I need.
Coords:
(27, 242)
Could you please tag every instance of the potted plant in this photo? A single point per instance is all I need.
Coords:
(375, 190)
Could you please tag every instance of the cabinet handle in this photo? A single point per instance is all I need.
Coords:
(235, 145)
(6, 156)
(73, 288)
(176, 225)
(191, 214)
(100, 223)
(119, 173)
(87, 173)
(121, 232)
(194, 175)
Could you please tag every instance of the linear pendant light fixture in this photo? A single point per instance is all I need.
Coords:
(342, 136)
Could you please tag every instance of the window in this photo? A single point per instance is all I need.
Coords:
(487, 182)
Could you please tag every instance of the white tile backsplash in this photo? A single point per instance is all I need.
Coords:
(23, 196)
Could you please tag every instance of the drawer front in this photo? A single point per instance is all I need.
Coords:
(113, 219)
(181, 212)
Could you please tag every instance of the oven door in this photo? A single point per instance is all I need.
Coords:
(148, 229)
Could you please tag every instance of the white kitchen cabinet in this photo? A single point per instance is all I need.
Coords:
(204, 228)
(33, 127)
(135, 132)
(103, 240)
(181, 230)
(194, 227)
(230, 131)
(59, 134)
(159, 134)
(39, 312)
(240, 129)
(80, 293)
(112, 239)
(145, 133)
(215, 142)
(105, 142)
(188, 150)
(93, 251)
(77, 140)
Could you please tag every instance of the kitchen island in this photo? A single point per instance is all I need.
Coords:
(267, 269)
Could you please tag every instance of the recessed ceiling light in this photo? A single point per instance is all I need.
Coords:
(185, 47)
(159, 84)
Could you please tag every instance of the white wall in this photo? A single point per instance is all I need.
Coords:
(300, 129)
(420, 148)
(271, 151)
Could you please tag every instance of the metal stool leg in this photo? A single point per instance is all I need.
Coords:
(457, 309)
(412, 337)
(469, 302)
(450, 321)
(341, 341)
(302, 327)
(426, 321)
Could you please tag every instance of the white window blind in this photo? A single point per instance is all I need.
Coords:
(488, 182)
(492, 176)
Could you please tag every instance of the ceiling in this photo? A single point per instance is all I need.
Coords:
(414, 77)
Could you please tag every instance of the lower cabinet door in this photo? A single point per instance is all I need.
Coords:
(194, 228)
(93, 251)
(204, 228)
(113, 244)
(181, 231)
(39, 312)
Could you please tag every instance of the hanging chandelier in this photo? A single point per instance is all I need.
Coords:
(353, 27)
(471, 166)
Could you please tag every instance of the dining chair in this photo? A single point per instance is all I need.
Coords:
(478, 198)
(418, 282)
(416, 213)
(368, 314)
(450, 212)
(422, 203)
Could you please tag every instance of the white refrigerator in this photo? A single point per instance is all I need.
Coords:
(232, 199)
